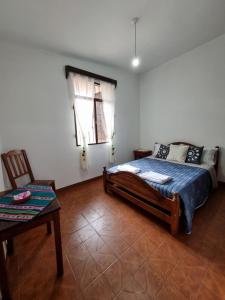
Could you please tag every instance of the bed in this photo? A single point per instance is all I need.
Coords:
(188, 190)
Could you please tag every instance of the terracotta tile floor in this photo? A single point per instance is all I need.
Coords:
(113, 250)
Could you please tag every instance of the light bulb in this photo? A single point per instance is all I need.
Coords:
(135, 62)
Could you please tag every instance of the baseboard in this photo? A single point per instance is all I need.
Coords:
(78, 183)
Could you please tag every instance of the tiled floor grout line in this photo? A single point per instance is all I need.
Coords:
(102, 273)
(83, 242)
(96, 278)
(201, 283)
(117, 256)
(74, 277)
(91, 282)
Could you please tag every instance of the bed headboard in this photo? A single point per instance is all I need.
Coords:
(188, 144)
(182, 143)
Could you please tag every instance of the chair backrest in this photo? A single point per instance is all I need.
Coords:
(17, 165)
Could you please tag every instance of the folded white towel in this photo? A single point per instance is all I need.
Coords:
(155, 177)
(128, 168)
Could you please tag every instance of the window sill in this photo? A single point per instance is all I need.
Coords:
(94, 144)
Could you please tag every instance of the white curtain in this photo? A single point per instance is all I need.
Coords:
(84, 92)
(108, 97)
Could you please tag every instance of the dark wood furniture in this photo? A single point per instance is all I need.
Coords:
(136, 190)
(17, 165)
(140, 153)
(70, 69)
(8, 230)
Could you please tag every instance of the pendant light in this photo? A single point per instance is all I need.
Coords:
(135, 60)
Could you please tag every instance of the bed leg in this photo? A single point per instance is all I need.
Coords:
(174, 227)
(105, 179)
(175, 215)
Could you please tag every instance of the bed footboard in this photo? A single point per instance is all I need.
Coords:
(136, 190)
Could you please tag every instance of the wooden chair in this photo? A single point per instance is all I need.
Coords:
(17, 165)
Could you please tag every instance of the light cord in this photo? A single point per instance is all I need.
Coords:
(135, 39)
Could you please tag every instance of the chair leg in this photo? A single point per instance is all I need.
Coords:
(49, 228)
(53, 186)
(10, 247)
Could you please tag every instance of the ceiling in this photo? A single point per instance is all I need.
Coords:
(101, 30)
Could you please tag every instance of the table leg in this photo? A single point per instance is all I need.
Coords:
(58, 243)
(10, 247)
(49, 228)
(3, 275)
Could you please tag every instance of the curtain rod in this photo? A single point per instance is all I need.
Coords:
(69, 69)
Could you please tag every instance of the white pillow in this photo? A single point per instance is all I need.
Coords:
(209, 156)
(156, 149)
(178, 153)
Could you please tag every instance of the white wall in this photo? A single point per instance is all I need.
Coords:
(36, 113)
(184, 100)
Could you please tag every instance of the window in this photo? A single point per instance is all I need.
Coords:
(93, 98)
(93, 109)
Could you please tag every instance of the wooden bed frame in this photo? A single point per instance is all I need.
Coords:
(136, 190)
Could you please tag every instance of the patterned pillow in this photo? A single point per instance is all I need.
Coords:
(194, 155)
(163, 151)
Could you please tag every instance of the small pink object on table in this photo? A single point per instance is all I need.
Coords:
(22, 197)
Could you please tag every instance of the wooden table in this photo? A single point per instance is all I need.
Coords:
(8, 230)
(140, 153)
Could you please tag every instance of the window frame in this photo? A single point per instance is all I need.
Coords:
(70, 69)
(95, 121)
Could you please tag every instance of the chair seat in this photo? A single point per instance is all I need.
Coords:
(44, 182)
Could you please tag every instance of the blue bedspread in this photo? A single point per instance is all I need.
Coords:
(192, 183)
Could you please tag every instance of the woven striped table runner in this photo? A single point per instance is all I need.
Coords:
(41, 197)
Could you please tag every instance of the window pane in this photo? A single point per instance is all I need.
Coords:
(85, 117)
